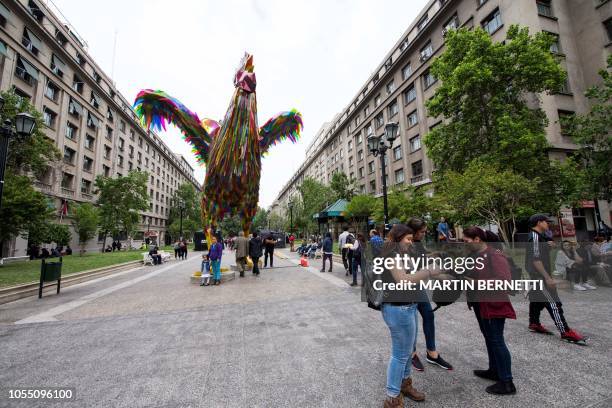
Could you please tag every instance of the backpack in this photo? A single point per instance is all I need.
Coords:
(350, 239)
(372, 296)
(445, 297)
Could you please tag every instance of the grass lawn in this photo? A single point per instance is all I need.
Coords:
(29, 271)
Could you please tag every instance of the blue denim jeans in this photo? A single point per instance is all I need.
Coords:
(402, 324)
(429, 326)
(216, 267)
(499, 356)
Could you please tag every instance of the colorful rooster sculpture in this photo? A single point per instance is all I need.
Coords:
(231, 150)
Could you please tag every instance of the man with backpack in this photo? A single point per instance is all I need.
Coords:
(347, 256)
(538, 265)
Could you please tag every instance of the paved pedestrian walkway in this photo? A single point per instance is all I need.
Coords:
(291, 337)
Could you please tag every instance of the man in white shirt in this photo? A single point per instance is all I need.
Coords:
(342, 241)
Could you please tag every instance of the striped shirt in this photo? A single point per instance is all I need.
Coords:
(537, 250)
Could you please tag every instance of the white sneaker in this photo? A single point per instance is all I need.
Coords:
(578, 286)
(587, 285)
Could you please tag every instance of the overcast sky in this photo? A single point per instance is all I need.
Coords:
(310, 55)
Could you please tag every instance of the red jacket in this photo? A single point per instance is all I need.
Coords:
(493, 304)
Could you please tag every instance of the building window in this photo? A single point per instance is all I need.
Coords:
(107, 152)
(77, 84)
(95, 100)
(451, 24)
(493, 22)
(545, 8)
(122, 126)
(371, 167)
(423, 22)
(122, 144)
(26, 71)
(49, 117)
(555, 47)
(67, 179)
(90, 142)
(87, 163)
(109, 133)
(106, 170)
(564, 116)
(57, 66)
(4, 15)
(109, 115)
(85, 186)
(377, 100)
(366, 111)
(565, 88)
(119, 160)
(379, 120)
(350, 160)
(409, 94)
(96, 77)
(406, 71)
(69, 155)
(397, 153)
(360, 172)
(52, 91)
(31, 42)
(413, 119)
(428, 79)
(357, 120)
(132, 135)
(393, 109)
(369, 131)
(71, 131)
(399, 176)
(350, 145)
(80, 59)
(373, 186)
(417, 170)
(390, 87)
(415, 143)
(426, 52)
(481, 2)
(608, 27)
(360, 155)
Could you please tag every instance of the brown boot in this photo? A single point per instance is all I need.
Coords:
(409, 391)
(397, 402)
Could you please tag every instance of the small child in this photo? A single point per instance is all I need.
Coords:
(205, 279)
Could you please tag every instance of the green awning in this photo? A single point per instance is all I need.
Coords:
(4, 12)
(36, 43)
(3, 50)
(337, 209)
(29, 68)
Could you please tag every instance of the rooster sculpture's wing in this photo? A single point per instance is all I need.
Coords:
(156, 108)
(285, 125)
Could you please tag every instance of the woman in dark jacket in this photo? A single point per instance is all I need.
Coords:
(357, 252)
(491, 309)
(255, 252)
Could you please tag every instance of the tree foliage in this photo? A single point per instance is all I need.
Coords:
(342, 187)
(591, 132)
(314, 197)
(121, 200)
(230, 225)
(188, 195)
(361, 206)
(85, 220)
(260, 221)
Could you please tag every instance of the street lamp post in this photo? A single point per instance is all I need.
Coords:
(290, 205)
(181, 206)
(24, 126)
(378, 145)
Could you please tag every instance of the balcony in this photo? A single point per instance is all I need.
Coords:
(67, 192)
(43, 187)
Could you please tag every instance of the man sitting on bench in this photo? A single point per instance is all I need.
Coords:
(157, 258)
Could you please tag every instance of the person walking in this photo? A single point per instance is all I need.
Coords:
(215, 254)
(269, 243)
(184, 248)
(432, 356)
(399, 313)
(491, 309)
(376, 242)
(342, 238)
(177, 250)
(328, 248)
(242, 251)
(443, 230)
(357, 255)
(537, 264)
(255, 252)
(292, 243)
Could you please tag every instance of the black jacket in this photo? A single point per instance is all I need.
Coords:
(255, 247)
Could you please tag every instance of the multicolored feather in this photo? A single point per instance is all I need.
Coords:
(285, 125)
(156, 108)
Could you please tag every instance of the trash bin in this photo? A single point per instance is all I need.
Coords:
(49, 272)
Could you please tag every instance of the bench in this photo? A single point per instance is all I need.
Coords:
(13, 259)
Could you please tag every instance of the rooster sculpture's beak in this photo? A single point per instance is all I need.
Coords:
(245, 77)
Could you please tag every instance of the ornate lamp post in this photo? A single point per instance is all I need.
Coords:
(23, 127)
(379, 145)
(290, 205)
(181, 206)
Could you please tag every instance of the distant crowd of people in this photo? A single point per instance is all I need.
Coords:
(36, 252)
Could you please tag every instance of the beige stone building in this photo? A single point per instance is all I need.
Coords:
(401, 84)
(43, 58)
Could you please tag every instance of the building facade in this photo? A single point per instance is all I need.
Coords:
(401, 84)
(43, 59)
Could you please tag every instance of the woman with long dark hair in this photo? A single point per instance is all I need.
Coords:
(399, 310)
(357, 253)
(491, 308)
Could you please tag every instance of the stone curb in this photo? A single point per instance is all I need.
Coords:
(12, 293)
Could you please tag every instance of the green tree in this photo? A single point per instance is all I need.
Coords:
(59, 233)
(342, 186)
(121, 200)
(85, 221)
(361, 206)
(482, 96)
(315, 197)
(230, 226)
(483, 194)
(591, 132)
(23, 208)
(189, 197)
(260, 221)
(279, 223)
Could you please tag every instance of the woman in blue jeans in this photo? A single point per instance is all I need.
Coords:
(399, 311)
(419, 227)
(492, 309)
(215, 253)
